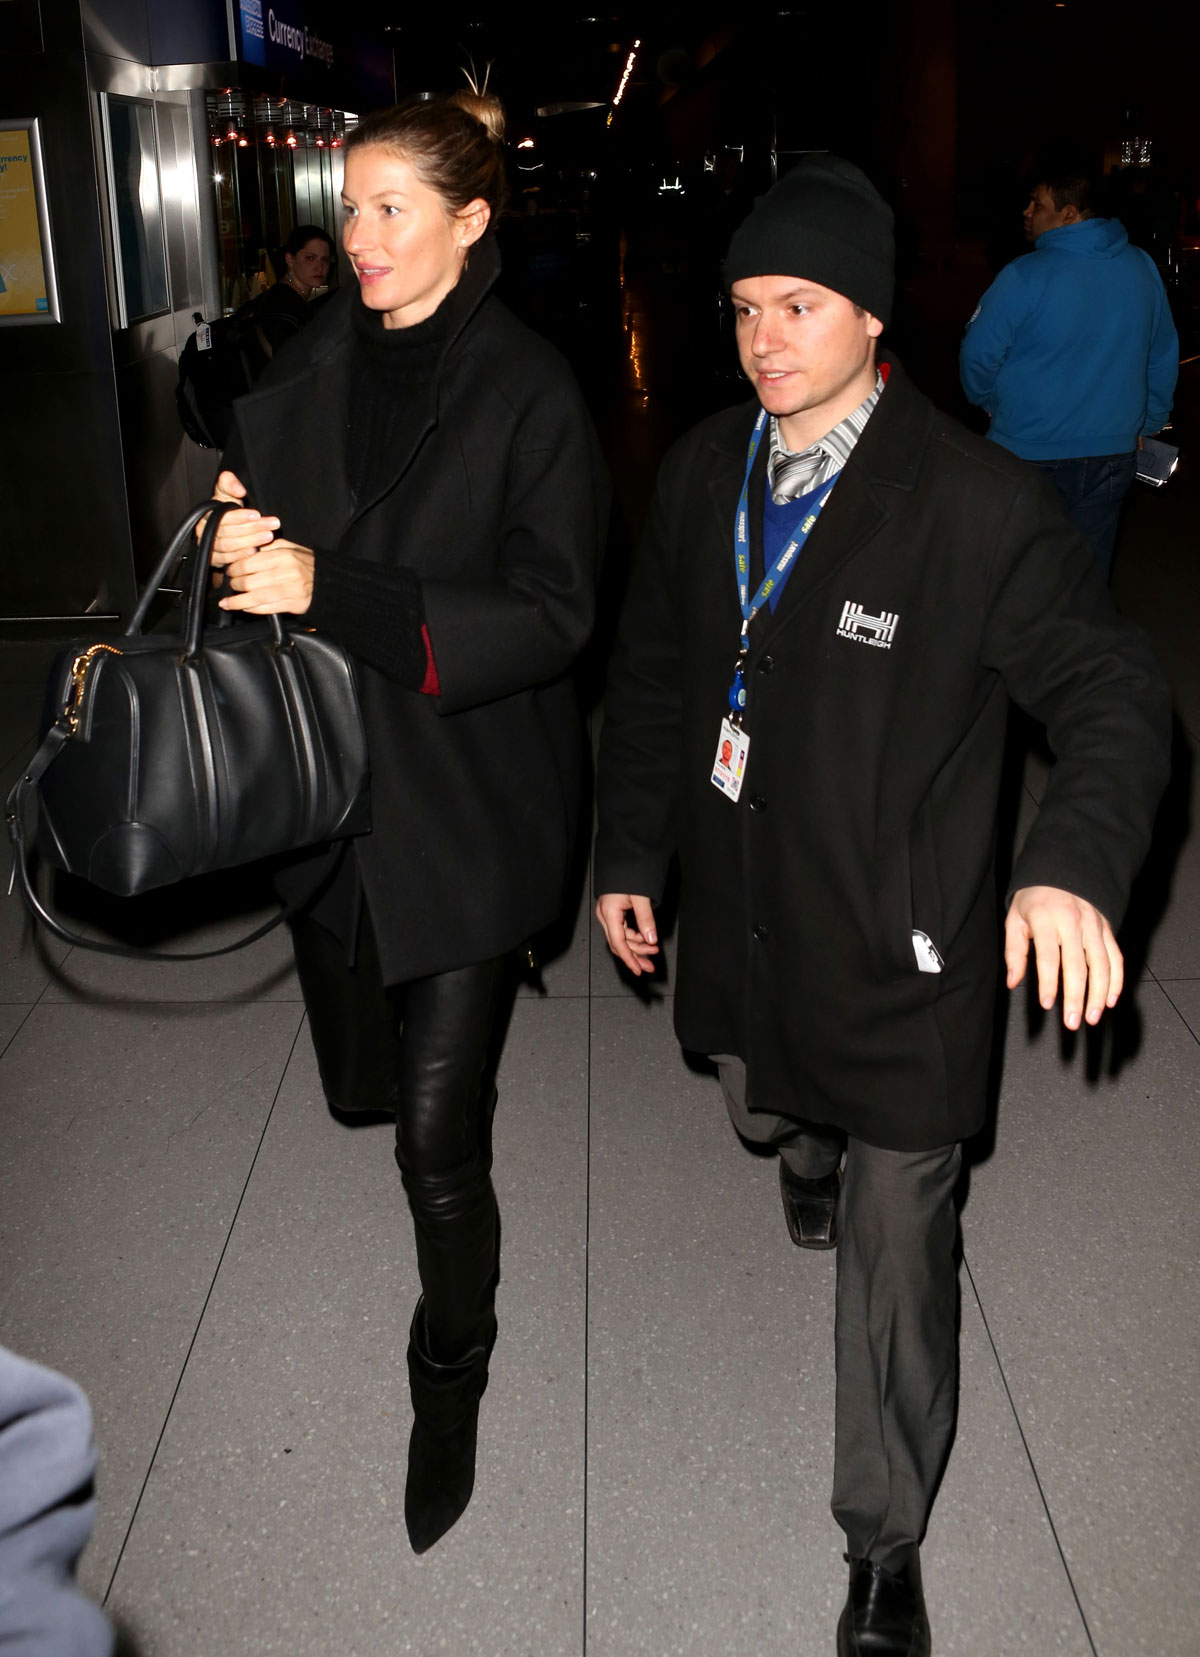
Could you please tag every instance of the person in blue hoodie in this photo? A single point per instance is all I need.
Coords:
(1073, 354)
(47, 1509)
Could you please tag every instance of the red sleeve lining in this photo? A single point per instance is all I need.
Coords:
(429, 685)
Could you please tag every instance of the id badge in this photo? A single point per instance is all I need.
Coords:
(729, 767)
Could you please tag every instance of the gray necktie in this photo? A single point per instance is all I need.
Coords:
(795, 474)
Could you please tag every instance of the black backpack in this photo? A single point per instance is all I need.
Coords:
(220, 362)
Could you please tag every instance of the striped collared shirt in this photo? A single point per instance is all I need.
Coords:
(791, 474)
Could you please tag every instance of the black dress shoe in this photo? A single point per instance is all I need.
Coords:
(810, 1207)
(885, 1611)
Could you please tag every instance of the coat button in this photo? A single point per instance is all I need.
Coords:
(761, 933)
(757, 803)
(765, 664)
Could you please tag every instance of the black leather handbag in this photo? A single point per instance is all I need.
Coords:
(171, 756)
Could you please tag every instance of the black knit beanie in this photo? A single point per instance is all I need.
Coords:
(824, 222)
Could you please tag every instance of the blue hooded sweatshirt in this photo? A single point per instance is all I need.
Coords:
(1072, 350)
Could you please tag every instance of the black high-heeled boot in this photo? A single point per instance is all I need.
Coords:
(441, 1450)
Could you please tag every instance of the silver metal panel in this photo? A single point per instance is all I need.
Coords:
(181, 211)
(119, 76)
(155, 461)
(188, 77)
(206, 203)
(116, 28)
(152, 442)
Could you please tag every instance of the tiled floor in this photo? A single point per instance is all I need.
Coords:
(229, 1274)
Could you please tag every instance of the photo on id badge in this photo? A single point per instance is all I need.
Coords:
(729, 767)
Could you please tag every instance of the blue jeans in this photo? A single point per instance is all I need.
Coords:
(1092, 490)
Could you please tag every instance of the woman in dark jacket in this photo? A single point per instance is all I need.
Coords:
(290, 304)
(437, 506)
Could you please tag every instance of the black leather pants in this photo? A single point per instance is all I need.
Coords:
(428, 1050)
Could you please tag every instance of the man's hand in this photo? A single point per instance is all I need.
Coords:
(631, 944)
(1067, 929)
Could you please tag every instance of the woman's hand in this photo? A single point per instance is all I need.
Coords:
(239, 532)
(278, 579)
(229, 487)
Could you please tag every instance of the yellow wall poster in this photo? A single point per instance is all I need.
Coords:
(23, 288)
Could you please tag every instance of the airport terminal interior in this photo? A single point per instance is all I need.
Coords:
(229, 1272)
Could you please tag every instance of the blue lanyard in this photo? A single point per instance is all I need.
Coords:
(776, 574)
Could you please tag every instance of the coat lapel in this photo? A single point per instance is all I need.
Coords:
(292, 452)
(727, 466)
(476, 283)
(885, 459)
(322, 503)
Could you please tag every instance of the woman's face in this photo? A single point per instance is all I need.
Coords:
(310, 266)
(407, 250)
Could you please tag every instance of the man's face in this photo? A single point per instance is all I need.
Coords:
(1042, 215)
(807, 351)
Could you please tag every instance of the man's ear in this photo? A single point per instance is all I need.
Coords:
(1070, 215)
(874, 326)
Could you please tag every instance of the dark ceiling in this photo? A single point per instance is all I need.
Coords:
(542, 57)
(1022, 71)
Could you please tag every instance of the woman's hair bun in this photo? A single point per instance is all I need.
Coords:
(475, 100)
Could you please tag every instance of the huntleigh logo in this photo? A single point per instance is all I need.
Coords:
(864, 629)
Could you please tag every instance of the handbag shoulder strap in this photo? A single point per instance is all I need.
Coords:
(14, 818)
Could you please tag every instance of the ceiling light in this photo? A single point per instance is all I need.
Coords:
(626, 75)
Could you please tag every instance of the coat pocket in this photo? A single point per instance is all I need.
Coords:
(927, 941)
(908, 922)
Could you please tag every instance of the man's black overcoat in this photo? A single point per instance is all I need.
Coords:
(941, 579)
(497, 501)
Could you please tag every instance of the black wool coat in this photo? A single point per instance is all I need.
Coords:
(497, 500)
(869, 804)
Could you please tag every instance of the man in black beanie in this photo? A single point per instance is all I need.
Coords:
(838, 592)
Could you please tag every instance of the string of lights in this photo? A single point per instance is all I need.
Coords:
(620, 93)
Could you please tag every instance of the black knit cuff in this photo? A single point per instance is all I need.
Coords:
(376, 611)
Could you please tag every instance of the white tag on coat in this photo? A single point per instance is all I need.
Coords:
(925, 950)
(729, 767)
(204, 337)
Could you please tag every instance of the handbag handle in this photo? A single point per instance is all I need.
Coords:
(175, 550)
(193, 616)
(193, 613)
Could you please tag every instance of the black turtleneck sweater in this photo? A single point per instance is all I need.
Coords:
(394, 377)
(375, 609)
